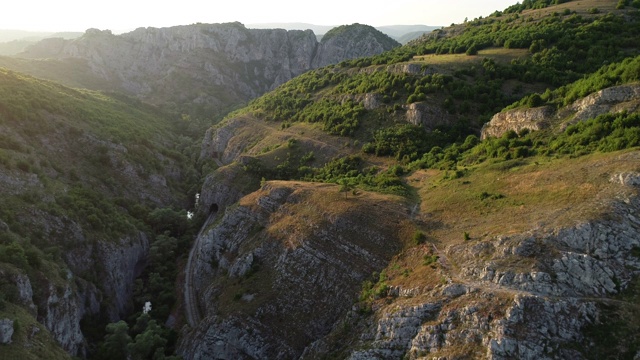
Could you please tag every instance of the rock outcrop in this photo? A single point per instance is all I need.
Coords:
(212, 66)
(517, 120)
(427, 115)
(278, 243)
(614, 99)
(541, 313)
(6, 331)
(60, 307)
(611, 100)
(121, 263)
(60, 313)
(351, 42)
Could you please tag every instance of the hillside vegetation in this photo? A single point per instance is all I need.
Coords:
(485, 214)
(371, 99)
(85, 176)
(357, 211)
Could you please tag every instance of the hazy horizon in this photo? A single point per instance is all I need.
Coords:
(120, 16)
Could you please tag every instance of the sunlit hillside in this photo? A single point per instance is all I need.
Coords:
(472, 194)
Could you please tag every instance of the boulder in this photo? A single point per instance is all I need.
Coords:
(6, 331)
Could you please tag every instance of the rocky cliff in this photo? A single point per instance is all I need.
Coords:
(573, 276)
(61, 304)
(527, 295)
(70, 252)
(210, 66)
(541, 288)
(517, 120)
(285, 240)
(351, 42)
(611, 100)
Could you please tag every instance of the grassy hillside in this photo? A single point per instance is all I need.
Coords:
(79, 169)
(465, 192)
(398, 132)
(370, 100)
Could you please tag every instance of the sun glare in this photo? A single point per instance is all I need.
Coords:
(120, 15)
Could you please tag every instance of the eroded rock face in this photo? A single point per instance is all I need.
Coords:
(60, 307)
(122, 262)
(61, 304)
(489, 312)
(351, 42)
(592, 259)
(529, 328)
(611, 100)
(325, 253)
(210, 65)
(6, 331)
(614, 99)
(517, 120)
(228, 140)
(427, 115)
(61, 314)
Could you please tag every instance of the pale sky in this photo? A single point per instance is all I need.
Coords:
(121, 15)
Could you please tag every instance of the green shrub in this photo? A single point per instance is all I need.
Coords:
(429, 259)
(23, 165)
(14, 253)
(419, 237)
(485, 195)
(472, 50)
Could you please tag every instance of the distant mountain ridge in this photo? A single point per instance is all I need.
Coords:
(210, 66)
(400, 33)
(13, 42)
(7, 35)
(16, 41)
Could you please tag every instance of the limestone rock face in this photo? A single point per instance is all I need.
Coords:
(6, 331)
(350, 42)
(498, 313)
(61, 313)
(61, 307)
(213, 66)
(326, 253)
(427, 115)
(611, 100)
(517, 120)
(226, 142)
(122, 262)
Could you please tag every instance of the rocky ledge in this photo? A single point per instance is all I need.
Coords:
(611, 100)
(527, 296)
(255, 264)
